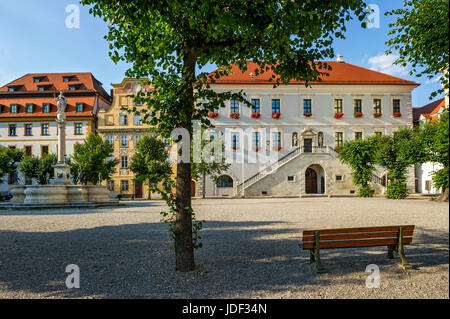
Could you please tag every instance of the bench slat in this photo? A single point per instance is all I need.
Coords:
(357, 243)
(357, 230)
(392, 234)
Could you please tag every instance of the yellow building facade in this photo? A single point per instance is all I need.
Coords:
(123, 130)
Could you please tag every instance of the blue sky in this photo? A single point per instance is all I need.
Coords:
(34, 39)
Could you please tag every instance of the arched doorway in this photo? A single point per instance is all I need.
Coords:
(225, 186)
(311, 181)
(315, 180)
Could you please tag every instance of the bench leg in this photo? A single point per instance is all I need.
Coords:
(401, 251)
(311, 256)
(317, 254)
(390, 254)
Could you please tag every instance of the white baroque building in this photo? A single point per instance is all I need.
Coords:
(301, 128)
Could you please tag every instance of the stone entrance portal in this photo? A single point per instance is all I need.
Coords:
(315, 180)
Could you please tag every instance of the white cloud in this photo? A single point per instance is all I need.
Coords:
(385, 64)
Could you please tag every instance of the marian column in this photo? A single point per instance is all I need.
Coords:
(62, 169)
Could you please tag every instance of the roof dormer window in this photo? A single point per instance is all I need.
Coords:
(79, 107)
(13, 108)
(74, 87)
(29, 108)
(46, 108)
(38, 79)
(67, 78)
(11, 89)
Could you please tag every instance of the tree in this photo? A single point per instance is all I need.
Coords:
(39, 168)
(8, 160)
(212, 166)
(361, 156)
(396, 152)
(166, 41)
(420, 35)
(91, 161)
(151, 162)
(435, 139)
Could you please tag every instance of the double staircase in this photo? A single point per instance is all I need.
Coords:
(283, 161)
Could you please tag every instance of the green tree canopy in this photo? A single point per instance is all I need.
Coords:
(421, 37)
(9, 158)
(361, 156)
(151, 162)
(167, 41)
(91, 161)
(39, 168)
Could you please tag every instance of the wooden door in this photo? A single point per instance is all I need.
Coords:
(192, 189)
(311, 181)
(138, 190)
(307, 143)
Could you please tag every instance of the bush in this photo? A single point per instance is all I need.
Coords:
(366, 191)
(396, 190)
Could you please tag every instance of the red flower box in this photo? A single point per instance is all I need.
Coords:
(397, 114)
(255, 148)
(338, 115)
(234, 148)
(358, 114)
(235, 116)
(213, 115)
(276, 147)
(255, 115)
(276, 115)
(377, 114)
(307, 114)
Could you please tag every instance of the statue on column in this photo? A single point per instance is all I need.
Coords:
(62, 104)
(62, 170)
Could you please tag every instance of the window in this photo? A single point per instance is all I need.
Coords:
(28, 129)
(137, 120)
(124, 141)
(276, 138)
(28, 150)
(255, 139)
(11, 89)
(66, 79)
(338, 139)
(124, 162)
(428, 186)
(111, 186)
(339, 178)
(46, 108)
(12, 147)
(357, 106)
(124, 120)
(79, 107)
(124, 185)
(44, 150)
(234, 106)
(13, 108)
(224, 181)
(234, 140)
(78, 128)
(29, 108)
(73, 87)
(377, 105)
(36, 80)
(275, 105)
(358, 135)
(396, 106)
(44, 129)
(338, 106)
(256, 106)
(307, 106)
(41, 88)
(137, 137)
(378, 134)
(291, 179)
(12, 130)
(110, 139)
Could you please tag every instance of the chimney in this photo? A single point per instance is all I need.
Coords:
(340, 58)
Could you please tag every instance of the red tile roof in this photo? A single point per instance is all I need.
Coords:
(428, 109)
(341, 73)
(55, 81)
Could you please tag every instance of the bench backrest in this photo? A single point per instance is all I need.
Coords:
(357, 237)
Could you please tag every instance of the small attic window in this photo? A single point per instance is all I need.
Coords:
(38, 79)
(11, 89)
(79, 107)
(13, 108)
(74, 87)
(29, 108)
(46, 108)
(42, 88)
(67, 78)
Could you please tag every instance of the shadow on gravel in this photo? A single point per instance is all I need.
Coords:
(238, 259)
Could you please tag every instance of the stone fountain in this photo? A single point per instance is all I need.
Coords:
(61, 193)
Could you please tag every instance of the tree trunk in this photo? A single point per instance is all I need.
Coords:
(184, 248)
(444, 195)
(204, 186)
(149, 190)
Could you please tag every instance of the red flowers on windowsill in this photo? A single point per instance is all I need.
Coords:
(276, 147)
(255, 148)
(235, 116)
(377, 114)
(397, 114)
(276, 115)
(255, 115)
(338, 115)
(307, 114)
(234, 148)
(213, 115)
(358, 114)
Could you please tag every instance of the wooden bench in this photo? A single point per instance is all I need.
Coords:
(394, 237)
